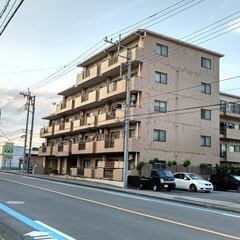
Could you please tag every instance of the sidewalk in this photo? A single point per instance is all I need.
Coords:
(116, 186)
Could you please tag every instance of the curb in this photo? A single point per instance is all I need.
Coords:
(118, 189)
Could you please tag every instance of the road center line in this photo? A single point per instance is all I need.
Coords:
(127, 210)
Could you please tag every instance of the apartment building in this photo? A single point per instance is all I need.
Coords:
(229, 129)
(174, 92)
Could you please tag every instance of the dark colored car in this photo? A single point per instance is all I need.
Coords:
(160, 179)
(225, 182)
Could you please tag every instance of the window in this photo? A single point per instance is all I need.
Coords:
(206, 63)
(205, 88)
(205, 141)
(205, 114)
(223, 105)
(86, 163)
(132, 133)
(159, 135)
(160, 106)
(160, 77)
(161, 50)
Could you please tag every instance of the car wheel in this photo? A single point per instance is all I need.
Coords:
(193, 188)
(238, 189)
(155, 187)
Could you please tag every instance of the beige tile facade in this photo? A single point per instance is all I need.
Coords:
(89, 120)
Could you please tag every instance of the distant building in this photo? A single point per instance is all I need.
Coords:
(10, 155)
(229, 129)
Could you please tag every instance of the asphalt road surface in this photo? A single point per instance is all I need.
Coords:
(41, 209)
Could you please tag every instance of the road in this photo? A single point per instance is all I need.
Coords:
(39, 208)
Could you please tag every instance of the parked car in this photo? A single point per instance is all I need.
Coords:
(192, 182)
(225, 182)
(159, 179)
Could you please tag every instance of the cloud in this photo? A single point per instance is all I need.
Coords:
(234, 25)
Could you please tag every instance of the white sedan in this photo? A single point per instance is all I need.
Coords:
(192, 181)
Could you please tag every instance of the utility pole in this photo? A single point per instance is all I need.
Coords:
(30, 109)
(31, 134)
(126, 108)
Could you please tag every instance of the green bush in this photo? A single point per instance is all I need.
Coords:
(186, 164)
(170, 164)
(203, 167)
(139, 167)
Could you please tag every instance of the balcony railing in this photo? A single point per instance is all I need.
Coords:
(64, 106)
(115, 61)
(84, 123)
(83, 148)
(89, 98)
(63, 128)
(91, 73)
(45, 150)
(46, 131)
(113, 89)
(62, 149)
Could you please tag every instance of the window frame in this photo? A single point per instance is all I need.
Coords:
(204, 88)
(161, 74)
(159, 139)
(203, 114)
(160, 52)
(204, 143)
(158, 108)
(205, 61)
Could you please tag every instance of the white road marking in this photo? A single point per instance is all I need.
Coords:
(55, 230)
(15, 202)
(40, 235)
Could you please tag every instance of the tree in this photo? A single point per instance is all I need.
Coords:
(203, 167)
(186, 164)
(174, 163)
(153, 161)
(170, 164)
(139, 167)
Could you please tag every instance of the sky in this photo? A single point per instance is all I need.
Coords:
(46, 35)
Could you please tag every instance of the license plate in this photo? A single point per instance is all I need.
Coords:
(165, 186)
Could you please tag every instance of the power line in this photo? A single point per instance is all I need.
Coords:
(4, 8)
(11, 17)
(52, 77)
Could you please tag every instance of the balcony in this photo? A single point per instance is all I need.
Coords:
(233, 157)
(89, 74)
(86, 123)
(45, 151)
(112, 90)
(111, 66)
(112, 118)
(89, 99)
(232, 134)
(62, 128)
(83, 148)
(46, 132)
(64, 106)
(61, 150)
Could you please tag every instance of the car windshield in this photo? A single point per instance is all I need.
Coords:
(195, 176)
(165, 173)
(237, 177)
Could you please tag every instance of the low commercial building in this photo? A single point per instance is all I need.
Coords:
(10, 155)
(174, 92)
